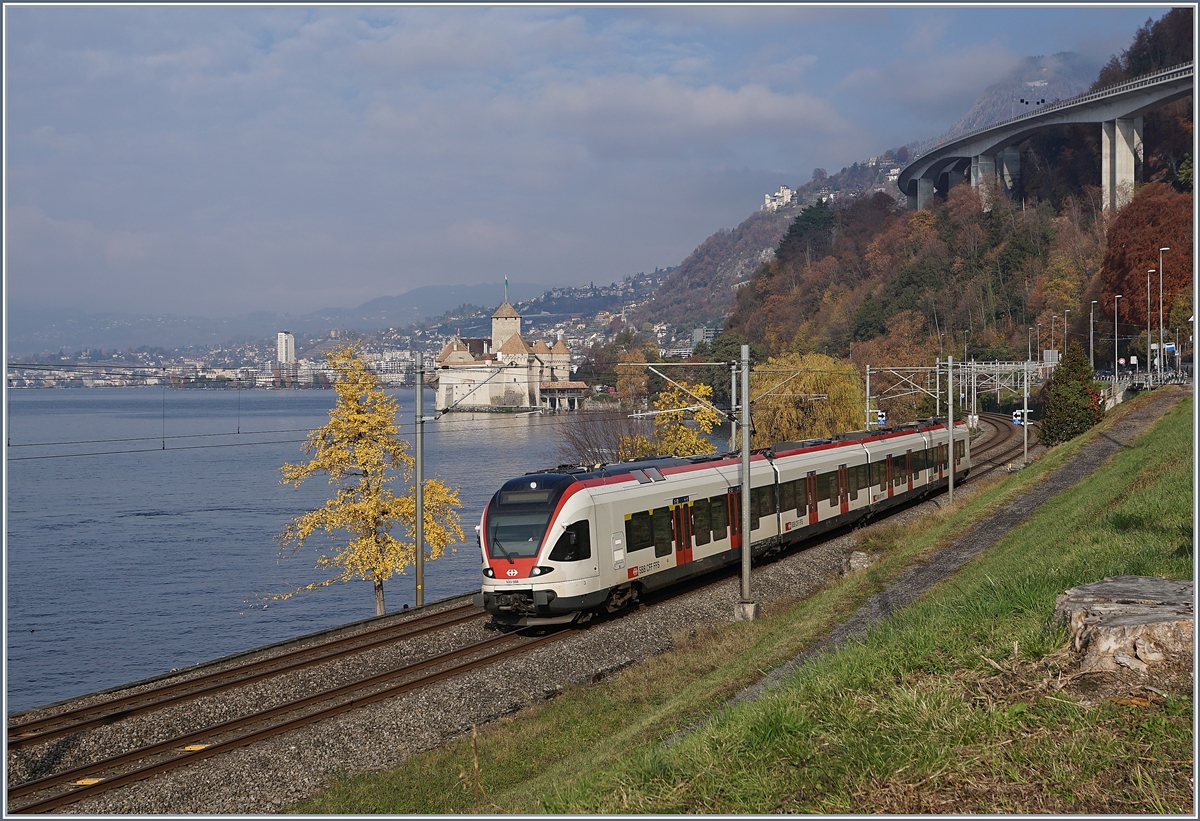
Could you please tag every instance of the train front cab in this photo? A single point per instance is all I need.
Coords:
(540, 558)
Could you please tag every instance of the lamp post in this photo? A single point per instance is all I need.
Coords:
(1162, 359)
(1065, 318)
(1092, 335)
(1053, 318)
(1039, 359)
(1029, 345)
(1116, 345)
(1148, 358)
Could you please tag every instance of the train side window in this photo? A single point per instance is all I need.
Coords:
(574, 545)
(897, 472)
(852, 481)
(831, 489)
(661, 518)
(639, 534)
(863, 477)
(878, 474)
(787, 496)
(701, 521)
(719, 512)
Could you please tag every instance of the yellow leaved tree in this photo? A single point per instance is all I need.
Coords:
(675, 437)
(672, 435)
(805, 397)
(359, 449)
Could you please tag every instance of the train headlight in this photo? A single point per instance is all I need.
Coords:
(491, 574)
(540, 571)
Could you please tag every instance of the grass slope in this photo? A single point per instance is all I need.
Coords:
(962, 702)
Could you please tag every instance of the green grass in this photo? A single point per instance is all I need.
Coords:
(944, 707)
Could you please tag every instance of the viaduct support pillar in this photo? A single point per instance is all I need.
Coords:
(1009, 169)
(924, 192)
(983, 170)
(1121, 153)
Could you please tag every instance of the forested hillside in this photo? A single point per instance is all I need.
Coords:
(903, 287)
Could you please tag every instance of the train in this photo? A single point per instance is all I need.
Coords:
(568, 543)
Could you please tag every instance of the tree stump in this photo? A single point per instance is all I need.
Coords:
(1132, 622)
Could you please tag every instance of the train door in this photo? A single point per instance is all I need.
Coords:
(810, 496)
(908, 468)
(843, 479)
(941, 461)
(891, 468)
(735, 517)
(682, 513)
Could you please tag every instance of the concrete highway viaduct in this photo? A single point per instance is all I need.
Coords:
(991, 153)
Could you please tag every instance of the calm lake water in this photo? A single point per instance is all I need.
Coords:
(138, 559)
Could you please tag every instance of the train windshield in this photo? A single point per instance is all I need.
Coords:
(518, 515)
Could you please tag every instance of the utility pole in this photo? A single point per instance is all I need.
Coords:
(1116, 346)
(1149, 359)
(747, 609)
(1092, 336)
(733, 393)
(1025, 414)
(419, 535)
(1162, 359)
(868, 397)
(950, 417)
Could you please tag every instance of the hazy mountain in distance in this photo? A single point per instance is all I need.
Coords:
(42, 330)
(1057, 77)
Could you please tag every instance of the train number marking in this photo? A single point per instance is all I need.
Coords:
(641, 569)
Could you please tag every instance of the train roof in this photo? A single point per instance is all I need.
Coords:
(657, 464)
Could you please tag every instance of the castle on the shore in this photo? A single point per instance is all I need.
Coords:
(505, 373)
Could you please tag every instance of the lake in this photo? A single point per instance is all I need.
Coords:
(152, 552)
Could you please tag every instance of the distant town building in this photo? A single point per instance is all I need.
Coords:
(504, 372)
(285, 348)
(784, 196)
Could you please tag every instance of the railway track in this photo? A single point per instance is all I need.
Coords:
(68, 786)
(36, 731)
(1006, 443)
(71, 784)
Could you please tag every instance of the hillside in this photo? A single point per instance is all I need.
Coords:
(700, 292)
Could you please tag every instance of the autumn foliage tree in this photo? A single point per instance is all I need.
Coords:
(361, 451)
(676, 406)
(796, 397)
(1072, 402)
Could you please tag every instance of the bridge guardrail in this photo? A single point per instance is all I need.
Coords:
(1181, 70)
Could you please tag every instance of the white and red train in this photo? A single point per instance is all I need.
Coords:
(561, 543)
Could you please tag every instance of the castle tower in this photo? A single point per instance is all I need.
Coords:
(505, 322)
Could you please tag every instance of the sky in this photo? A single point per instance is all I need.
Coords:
(220, 160)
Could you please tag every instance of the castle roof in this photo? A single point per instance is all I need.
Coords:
(541, 347)
(514, 345)
(506, 311)
(560, 347)
(455, 351)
